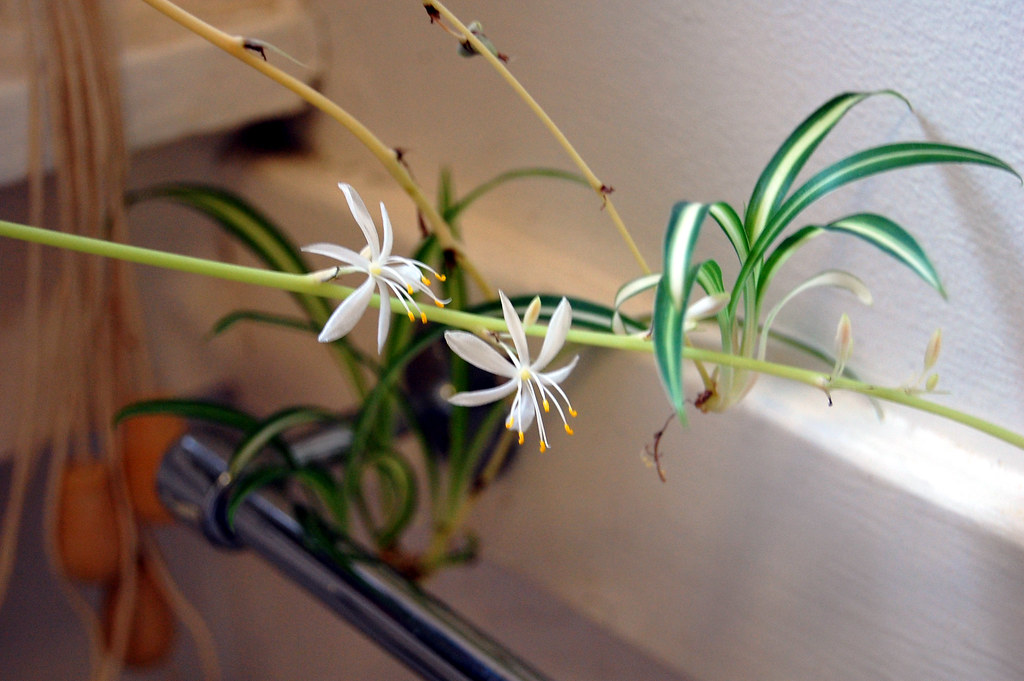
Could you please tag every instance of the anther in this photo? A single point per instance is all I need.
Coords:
(547, 407)
(412, 317)
(568, 429)
(409, 288)
(441, 277)
(572, 412)
(523, 439)
(423, 317)
(543, 447)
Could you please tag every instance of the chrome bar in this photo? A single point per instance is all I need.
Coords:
(401, 618)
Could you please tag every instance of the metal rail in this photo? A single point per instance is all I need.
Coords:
(401, 618)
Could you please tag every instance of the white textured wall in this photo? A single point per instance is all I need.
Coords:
(765, 555)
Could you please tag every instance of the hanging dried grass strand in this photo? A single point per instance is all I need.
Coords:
(25, 439)
(89, 334)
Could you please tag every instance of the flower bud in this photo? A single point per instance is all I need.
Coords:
(931, 353)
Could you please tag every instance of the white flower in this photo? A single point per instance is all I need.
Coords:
(535, 389)
(390, 273)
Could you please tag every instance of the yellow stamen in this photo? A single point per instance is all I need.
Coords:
(543, 447)
(423, 317)
(441, 277)
(410, 289)
(572, 412)
(547, 407)
(425, 281)
(568, 429)
(508, 424)
(521, 438)
(412, 317)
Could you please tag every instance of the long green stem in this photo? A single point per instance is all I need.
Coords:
(238, 47)
(598, 186)
(306, 284)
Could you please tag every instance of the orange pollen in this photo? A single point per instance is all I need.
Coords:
(547, 407)
(438, 303)
(521, 438)
(412, 317)
(568, 429)
(425, 281)
(409, 288)
(543, 447)
(572, 412)
(441, 277)
(423, 317)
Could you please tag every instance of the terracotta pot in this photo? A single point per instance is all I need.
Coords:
(152, 622)
(88, 539)
(145, 439)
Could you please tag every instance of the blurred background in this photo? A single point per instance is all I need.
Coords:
(790, 541)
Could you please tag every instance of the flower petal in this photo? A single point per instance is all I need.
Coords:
(515, 329)
(479, 353)
(475, 398)
(526, 409)
(339, 253)
(561, 320)
(363, 218)
(559, 375)
(389, 235)
(384, 318)
(345, 316)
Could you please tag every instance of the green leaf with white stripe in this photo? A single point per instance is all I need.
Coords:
(786, 248)
(889, 237)
(677, 280)
(777, 177)
(872, 162)
(628, 291)
(856, 167)
(729, 220)
(709, 276)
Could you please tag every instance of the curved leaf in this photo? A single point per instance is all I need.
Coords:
(268, 243)
(789, 160)
(892, 239)
(202, 410)
(237, 217)
(272, 427)
(316, 479)
(398, 497)
(678, 277)
(729, 220)
(856, 167)
(451, 209)
(285, 321)
(709, 276)
(781, 254)
(834, 278)
(627, 291)
(872, 162)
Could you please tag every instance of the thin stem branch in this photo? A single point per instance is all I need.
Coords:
(592, 179)
(307, 284)
(241, 49)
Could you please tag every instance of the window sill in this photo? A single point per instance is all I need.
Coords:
(174, 83)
